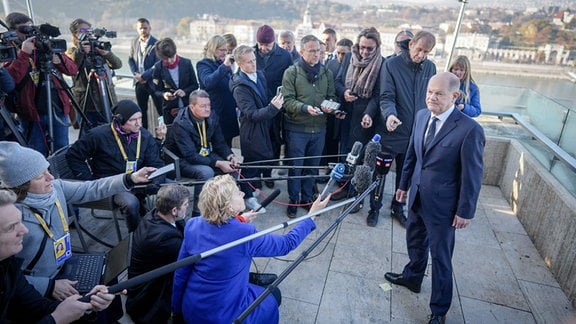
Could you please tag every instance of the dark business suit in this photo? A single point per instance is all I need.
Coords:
(444, 181)
(144, 90)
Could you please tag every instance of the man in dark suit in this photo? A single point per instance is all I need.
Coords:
(443, 168)
(142, 57)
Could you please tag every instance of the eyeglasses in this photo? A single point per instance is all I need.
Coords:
(313, 51)
(367, 48)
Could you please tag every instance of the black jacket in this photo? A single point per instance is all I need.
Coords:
(256, 116)
(155, 244)
(100, 149)
(183, 140)
(20, 302)
(403, 85)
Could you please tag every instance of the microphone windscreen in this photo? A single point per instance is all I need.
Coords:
(50, 30)
(354, 153)
(270, 198)
(362, 178)
(372, 149)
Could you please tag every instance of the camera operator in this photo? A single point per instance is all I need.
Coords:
(94, 65)
(28, 73)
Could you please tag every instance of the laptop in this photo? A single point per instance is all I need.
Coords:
(95, 269)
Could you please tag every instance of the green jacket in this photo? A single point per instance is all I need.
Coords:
(299, 93)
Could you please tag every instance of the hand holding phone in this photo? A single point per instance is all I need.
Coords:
(279, 90)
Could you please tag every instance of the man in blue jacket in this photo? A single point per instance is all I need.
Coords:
(142, 57)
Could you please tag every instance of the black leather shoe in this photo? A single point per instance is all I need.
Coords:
(436, 319)
(262, 279)
(398, 213)
(306, 204)
(372, 218)
(269, 183)
(342, 194)
(291, 209)
(398, 279)
(357, 207)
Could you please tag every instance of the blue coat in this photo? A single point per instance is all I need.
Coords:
(448, 176)
(274, 67)
(472, 108)
(215, 77)
(256, 116)
(216, 289)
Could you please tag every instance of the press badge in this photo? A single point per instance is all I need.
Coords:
(204, 151)
(131, 166)
(62, 249)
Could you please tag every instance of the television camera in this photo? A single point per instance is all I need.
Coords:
(92, 36)
(45, 41)
(8, 52)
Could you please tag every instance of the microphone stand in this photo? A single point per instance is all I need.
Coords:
(304, 254)
(171, 267)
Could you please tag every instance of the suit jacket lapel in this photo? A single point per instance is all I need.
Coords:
(447, 127)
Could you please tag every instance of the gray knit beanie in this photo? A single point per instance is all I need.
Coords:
(19, 164)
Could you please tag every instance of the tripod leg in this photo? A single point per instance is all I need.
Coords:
(10, 123)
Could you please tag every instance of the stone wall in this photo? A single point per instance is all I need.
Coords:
(546, 210)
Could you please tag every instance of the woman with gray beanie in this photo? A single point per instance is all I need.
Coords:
(42, 201)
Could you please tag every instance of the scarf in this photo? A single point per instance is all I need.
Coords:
(129, 136)
(363, 72)
(311, 71)
(173, 65)
(40, 201)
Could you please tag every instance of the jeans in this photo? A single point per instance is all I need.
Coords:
(196, 172)
(37, 133)
(130, 208)
(299, 144)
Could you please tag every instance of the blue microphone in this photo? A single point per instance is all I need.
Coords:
(335, 175)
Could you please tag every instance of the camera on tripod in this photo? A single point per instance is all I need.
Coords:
(8, 52)
(93, 37)
(45, 41)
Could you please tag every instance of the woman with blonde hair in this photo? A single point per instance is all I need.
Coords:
(216, 289)
(469, 100)
(214, 74)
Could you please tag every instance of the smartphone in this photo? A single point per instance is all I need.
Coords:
(279, 90)
(332, 105)
(160, 120)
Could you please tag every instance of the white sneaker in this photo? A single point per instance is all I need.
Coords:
(252, 204)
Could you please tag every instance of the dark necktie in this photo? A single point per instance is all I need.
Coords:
(430, 134)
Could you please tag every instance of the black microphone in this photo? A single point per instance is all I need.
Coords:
(50, 30)
(362, 178)
(352, 157)
(269, 199)
(335, 175)
(383, 163)
(371, 151)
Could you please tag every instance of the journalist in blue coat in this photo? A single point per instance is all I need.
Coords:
(443, 170)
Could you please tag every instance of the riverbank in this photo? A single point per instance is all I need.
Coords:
(519, 70)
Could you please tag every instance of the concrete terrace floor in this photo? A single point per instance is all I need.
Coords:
(499, 276)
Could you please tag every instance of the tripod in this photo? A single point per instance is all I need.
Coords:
(93, 65)
(7, 119)
(47, 71)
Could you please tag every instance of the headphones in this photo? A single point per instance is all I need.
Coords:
(118, 118)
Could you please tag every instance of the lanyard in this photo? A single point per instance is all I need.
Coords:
(121, 147)
(202, 133)
(62, 219)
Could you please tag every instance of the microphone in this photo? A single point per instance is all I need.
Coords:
(269, 199)
(264, 203)
(362, 178)
(383, 163)
(372, 149)
(335, 175)
(49, 30)
(352, 157)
